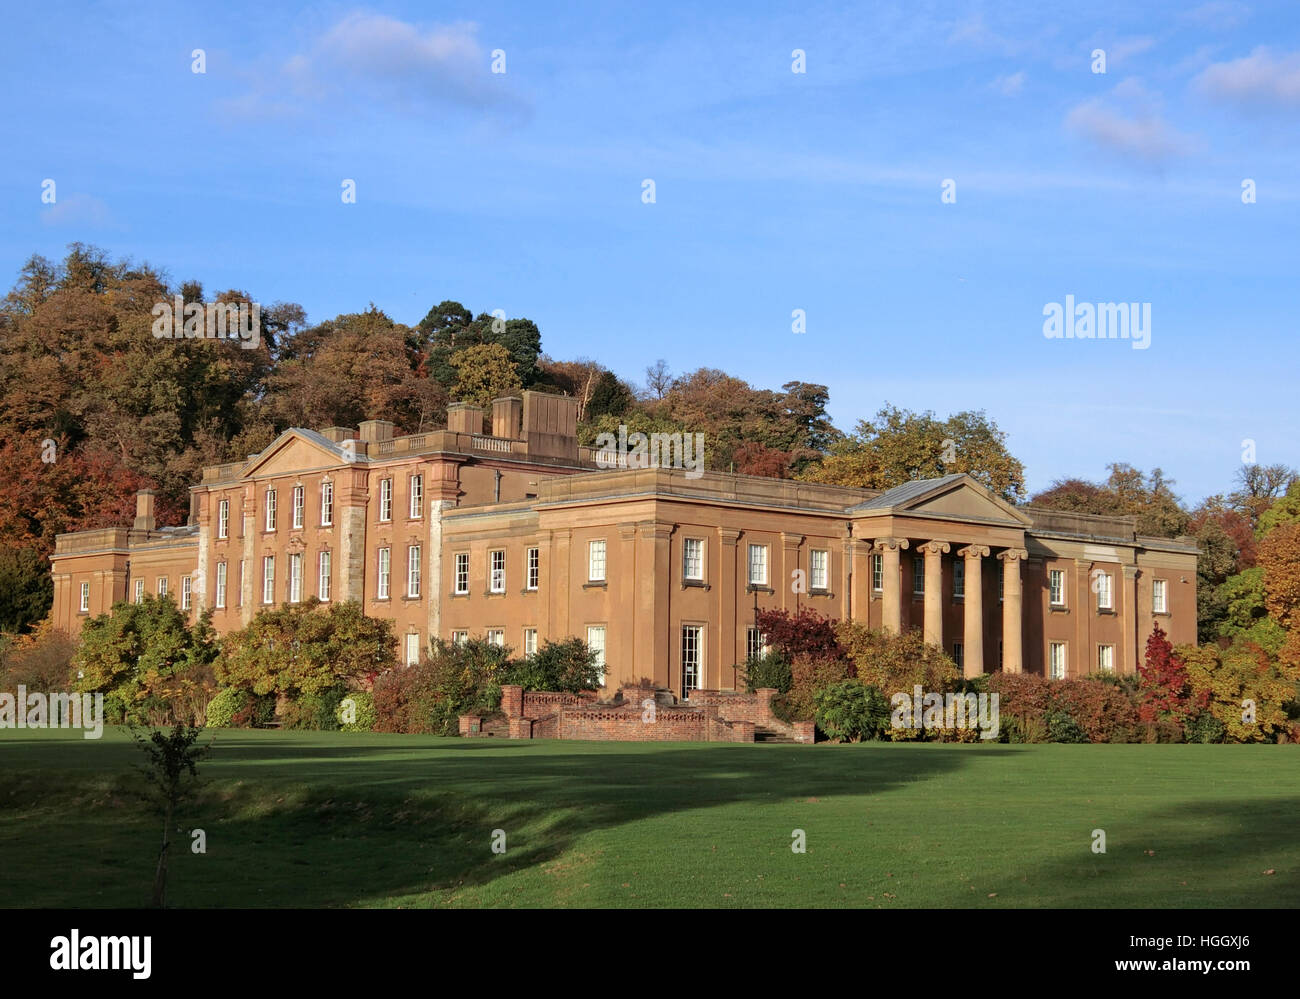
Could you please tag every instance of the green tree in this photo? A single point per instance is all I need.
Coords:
(484, 373)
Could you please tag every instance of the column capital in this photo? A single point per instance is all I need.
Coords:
(889, 544)
(651, 529)
(1013, 555)
(627, 531)
(729, 535)
(1130, 572)
(974, 551)
(791, 540)
(934, 548)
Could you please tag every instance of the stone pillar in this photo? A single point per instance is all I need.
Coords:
(252, 567)
(350, 499)
(443, 487)
(1012, 610)
(892, 600)
(729, 640)
(784, 584)
(934, 551)
(973, 630)
(1130, 651)
(620, 632)
(199, 581)
(855, 584)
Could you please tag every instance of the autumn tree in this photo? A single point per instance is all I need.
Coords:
(483, 373)
(1163, 687)
(1126, 492)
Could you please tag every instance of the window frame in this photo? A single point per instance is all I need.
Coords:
(414, 568)
(1055, 598)
(268, 506)
(460, 560)
(268, 580)
(324, 575)
(383, 573)
(591, 560)
(760, 563)
(533, 570)
(327, 503)
(415, 487)
(85, 598)
(497, 572)
(223, 570)
(386, 500)
(825, 583)
(297, 515)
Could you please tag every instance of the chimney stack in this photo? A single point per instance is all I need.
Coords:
(464, 418)
(376, 430)
(508, 418)
(144, 510)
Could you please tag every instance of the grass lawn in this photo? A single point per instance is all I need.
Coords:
(336, 819)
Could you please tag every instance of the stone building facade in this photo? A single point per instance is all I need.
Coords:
(503, 526)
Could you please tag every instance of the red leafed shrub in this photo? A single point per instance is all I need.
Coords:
(811, 673)
(1165, 691)
(805, 633)
(1027, 701)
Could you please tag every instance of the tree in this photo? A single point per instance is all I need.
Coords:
(897, 446)
(658, 379)
(804, 633)
(26, 588)
(1283, 511)
(171, 775)
(484, 373)
(307, 649)
(1259, 487)
(1164, 690)
(1127, 492)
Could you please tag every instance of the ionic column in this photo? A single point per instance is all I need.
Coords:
(1012, 623)
(891, 603)
(934, 551)
(973, 621)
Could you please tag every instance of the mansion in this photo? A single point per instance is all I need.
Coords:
(502, 526)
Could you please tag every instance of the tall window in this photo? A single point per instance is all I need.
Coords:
(417, 496)
(268, 579)
(596, 561)
(295, 577)
(323, 576)
(596, 642)
(1002, 577)
(1056, 587)
(412, 649)
(162, 586)
(877, 572)
(534, 577)
(1106, 658)
(270, 509)
(959, 654)
(758, 565)
(326, 504)
(139, 591)
(918, 574)
(385, 566)
(497, 637)
(497, 578)
(223, 519)
(530, 641)
(187, 592)
(818, 569)
(462, 572)
(221, 584)
(1102, 582)
(693, 558)
(1159, 603)
(385, 499)
(239, 594)
(299, 495)
(1056, 660)
(755, 643)
(692, 656)
(459, 637)
(413, 571)
(959, 578)
(85, 596)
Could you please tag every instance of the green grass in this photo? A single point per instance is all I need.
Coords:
(335, 819)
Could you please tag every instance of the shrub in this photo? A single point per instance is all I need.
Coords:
(769, 670)
(430, 696)
(805, 633)
(222, 708)
(317, 711)
(1204, 728)
(363, 712)
(1101, 710)
(897, 663)
(809, 674)
(851, 711)
(1062, 728)
(568, 666)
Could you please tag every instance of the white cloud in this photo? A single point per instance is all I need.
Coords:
(1259, 78)
(1010, 85)
(1146, 135)
(77, 210)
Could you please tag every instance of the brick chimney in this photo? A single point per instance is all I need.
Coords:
(144, 510)
(508, 418)
(376, 430)
(464, 418)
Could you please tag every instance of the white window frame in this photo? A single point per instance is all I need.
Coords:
(268, 579)
(692, 635)
(417, 496)
(530, 641)
(299, 502)
(412, 649)
(187, 592)
(819, 576)
(384, 573)
(755, 642)
(385, 500)
(497, 637)
(223, 519)
(877, 573)
(959, 578)
(757, 565)
(596, 643)
(1056, 587)
(327, 504)
(222, 570)
(139, 591)
(460, 583)
(269, 502)
(162, 586)
(324, 580)
(295, 577)
(693, 559)
(497, 571)
(1053, 671)
(85, 597)
(1159, 596)
(533, 569)
(412, 570)
(597, 554)
(918, 577)
(1105, 597)
(1106, 658)
(459, 637)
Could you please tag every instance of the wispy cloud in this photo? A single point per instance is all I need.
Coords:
(376, 59)
(1009, 85)
(81, 210)
(1261, 78)
(1130, 122)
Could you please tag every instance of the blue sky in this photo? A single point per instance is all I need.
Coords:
(775, 191)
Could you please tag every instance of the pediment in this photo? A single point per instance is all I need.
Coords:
(958, 497)
(292, 452)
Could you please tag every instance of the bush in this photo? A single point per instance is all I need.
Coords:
(222, 708)
(769, 670)
(897, 663)
(1204, 728)
(316, 712)
(1063, 728)
(430, 696)
(362, 712)
(809, 674)
(1102, 711)
(851, 711)
(568, 666)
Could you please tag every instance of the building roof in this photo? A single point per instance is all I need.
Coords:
(908, 491)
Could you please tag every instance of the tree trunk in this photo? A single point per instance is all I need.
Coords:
(160, 875)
